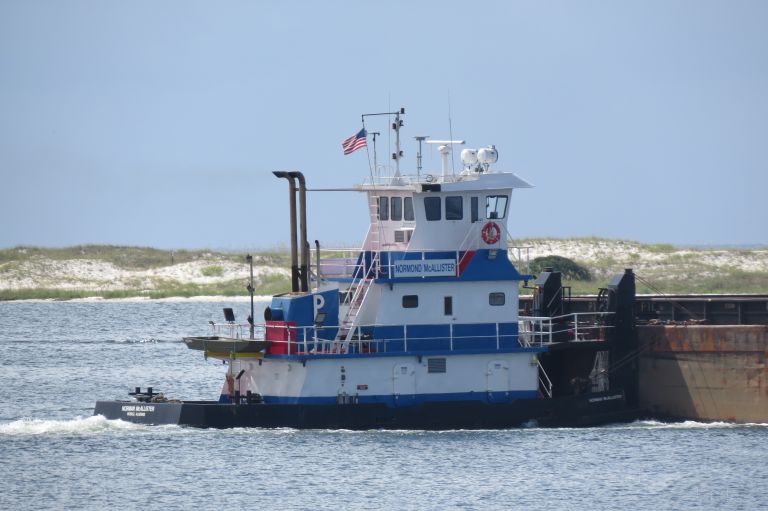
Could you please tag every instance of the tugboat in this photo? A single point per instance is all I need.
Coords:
(420, 327)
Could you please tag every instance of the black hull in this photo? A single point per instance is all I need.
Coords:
(577, 411)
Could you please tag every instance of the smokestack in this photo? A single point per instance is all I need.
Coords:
(304, 269)
(294, 251)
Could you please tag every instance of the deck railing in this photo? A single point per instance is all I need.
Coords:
(532, 332)
(576, 327)
(236, 330)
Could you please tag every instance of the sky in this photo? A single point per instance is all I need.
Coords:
(160, 123)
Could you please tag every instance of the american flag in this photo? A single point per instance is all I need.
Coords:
(354, 142)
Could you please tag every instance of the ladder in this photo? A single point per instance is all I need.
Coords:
(355, 298)
(365, 274)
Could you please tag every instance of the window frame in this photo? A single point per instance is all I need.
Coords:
(410, 301)
(496, 294)
(383, 208)
(494, 215)
(432, 209)
(399, 209)
(408, 209)
(454, 214)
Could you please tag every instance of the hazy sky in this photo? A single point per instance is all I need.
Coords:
(159, 123)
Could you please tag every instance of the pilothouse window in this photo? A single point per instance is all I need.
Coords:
(432, 208)
(408, 209)
(383, 208)
(454, 208)
(397, 208)
(495, 206)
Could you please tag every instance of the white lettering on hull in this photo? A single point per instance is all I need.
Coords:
(429, 268)
(137, 410)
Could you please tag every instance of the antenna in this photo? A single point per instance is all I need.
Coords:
(420, 139)
(450, 132)
(375, 166)
(398, 154)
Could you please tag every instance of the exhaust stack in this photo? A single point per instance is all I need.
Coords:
(299, 274)
(304, 268)
(294, 251)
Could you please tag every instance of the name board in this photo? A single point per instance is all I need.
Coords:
(138, 410)
(429, 268)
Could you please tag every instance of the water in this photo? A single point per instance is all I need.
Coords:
(58, 358)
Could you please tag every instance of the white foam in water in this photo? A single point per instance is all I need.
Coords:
(652, 424)
(93, 424)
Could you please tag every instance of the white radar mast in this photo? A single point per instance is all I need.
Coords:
(444, 149)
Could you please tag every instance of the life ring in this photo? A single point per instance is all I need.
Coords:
(491, 233)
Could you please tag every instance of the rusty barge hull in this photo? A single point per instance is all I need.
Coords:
(704, 372)
(700, 357)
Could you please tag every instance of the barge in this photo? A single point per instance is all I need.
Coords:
(699, 357)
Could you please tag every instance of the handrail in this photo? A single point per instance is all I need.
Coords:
(533, 332)
(411, 179)
(314, 345)
(544, 380)
(235, 330)
(542, 330)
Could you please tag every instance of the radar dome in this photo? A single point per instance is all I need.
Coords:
(469, 157)
(488, 155)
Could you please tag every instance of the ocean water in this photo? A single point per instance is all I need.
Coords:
(58, 358)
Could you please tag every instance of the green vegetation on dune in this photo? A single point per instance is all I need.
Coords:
(129, 258)
(214, 270)
(136, 258)
(587, 264)
(660, 268)
(165, 289)
(36, 264)
(570, 269)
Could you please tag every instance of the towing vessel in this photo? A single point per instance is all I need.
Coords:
(420, 327)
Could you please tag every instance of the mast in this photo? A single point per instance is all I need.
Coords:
(398, 154)
(419, 139)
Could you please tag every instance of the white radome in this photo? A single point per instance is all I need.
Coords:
(488, 155)
(468, 157)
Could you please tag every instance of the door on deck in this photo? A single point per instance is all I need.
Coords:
(404, 383)
(497, 380)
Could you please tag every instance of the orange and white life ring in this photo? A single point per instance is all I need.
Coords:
(491, 233)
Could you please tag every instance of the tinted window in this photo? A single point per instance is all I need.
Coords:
(496, 299)
(408, 209)
(397, 208)
(495, 206)
(383, 208)
(474, 208)
(410, 301)
(432, 208)
(454, 208)
(448, 305)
